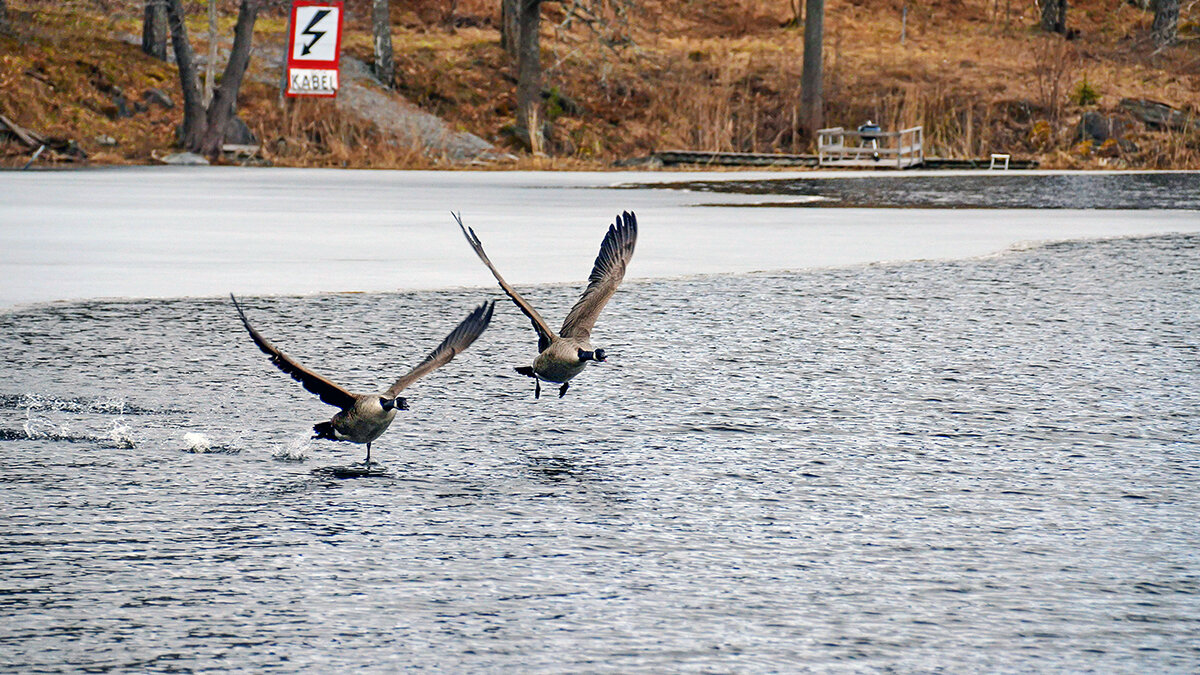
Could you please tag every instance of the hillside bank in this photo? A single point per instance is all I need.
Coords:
(979, 76)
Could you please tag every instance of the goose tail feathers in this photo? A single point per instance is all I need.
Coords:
(324, 430)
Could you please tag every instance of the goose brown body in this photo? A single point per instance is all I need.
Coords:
(364, 417)
(565, 354)
(364, 421)
(560, 361)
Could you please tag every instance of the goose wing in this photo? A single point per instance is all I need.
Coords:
(545, 334)
(328, 391)
(455, 343)
(607, 272)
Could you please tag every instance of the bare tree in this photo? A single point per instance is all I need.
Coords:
(509, 11)
(3, 16)
(608, 20)
(529, 72)
(193, 104)
(204, 128)
(1166, 22)
(154, 29)
(1054, 16)
(797, 8)
(812, 101)
(381, 22)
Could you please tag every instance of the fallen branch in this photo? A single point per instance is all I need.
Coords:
(29, 138)
(62, 148)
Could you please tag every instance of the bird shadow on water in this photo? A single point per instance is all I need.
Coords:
(556, 469)
(373, 470)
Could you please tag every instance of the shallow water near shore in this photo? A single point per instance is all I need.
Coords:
(987, 464)
(973, 190)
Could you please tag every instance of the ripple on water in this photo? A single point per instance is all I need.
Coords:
(982, 465)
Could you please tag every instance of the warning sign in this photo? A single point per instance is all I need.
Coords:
(313, 48)
(308, 82)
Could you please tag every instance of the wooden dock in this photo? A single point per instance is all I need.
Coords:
(703, 158)
(780, 160)
(871, 148)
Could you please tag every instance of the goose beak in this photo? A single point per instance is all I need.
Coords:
(599, 355)
(401, 404)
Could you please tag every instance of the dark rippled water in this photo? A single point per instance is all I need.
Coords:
(1019, 190)
(988, 465)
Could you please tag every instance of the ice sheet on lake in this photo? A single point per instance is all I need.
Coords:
(171, 232)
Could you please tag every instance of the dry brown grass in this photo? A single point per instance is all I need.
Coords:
(314, 133)
(54, 77)
(976, 74)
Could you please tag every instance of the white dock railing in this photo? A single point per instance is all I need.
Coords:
(844, 147)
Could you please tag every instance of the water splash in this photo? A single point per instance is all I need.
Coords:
(295, 451)
(36, 427)
(198, 443)
(201, 444)
(121, 434)
(101, 405)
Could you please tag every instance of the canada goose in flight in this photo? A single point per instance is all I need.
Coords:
(364, 417)
(565, 355)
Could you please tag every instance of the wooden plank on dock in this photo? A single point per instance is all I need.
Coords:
(977, 163)
(677, 157)
(701, 158)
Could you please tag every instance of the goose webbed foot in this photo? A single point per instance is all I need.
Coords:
(562, 391)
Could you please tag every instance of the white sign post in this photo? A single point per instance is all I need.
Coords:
(313, 48)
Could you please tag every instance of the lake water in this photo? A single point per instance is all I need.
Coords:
(955, 465)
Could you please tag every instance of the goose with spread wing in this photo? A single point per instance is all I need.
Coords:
(564, 355)
(364, 417)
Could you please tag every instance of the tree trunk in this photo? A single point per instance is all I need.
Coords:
(1054, 16)
(529, 73)
(3, 16)
(381, 20)
(812, 102)
(510, 11)
(204, 130)
(154, 29)
(225, 99)
(1166, 22)
(193, 105)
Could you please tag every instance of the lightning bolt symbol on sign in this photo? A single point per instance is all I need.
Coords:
(316, 34)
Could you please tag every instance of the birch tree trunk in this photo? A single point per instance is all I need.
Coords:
(812, 101)
(381, 22)
(210, 68)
